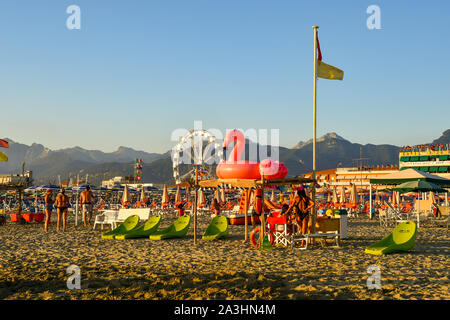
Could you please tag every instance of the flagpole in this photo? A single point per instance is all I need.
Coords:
(314, 131)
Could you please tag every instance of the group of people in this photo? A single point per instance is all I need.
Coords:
(62, 202)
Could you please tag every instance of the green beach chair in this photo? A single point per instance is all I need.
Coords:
(143, 231)
(218, 228)
(129, 224)
(402, 238)
(177, 229)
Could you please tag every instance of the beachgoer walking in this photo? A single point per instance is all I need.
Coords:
(87, 202)
(48, 208)
(62, 204)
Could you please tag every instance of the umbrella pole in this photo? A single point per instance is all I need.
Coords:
(370, 201)
(195, 207)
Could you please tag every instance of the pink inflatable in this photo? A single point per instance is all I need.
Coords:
(234, 168)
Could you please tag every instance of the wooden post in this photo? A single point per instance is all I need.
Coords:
(195, 205)
(263, 222)
(245, 194)
(19, 190)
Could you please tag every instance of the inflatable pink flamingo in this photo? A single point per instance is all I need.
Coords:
(234, 168)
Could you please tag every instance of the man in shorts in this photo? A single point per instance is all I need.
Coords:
(87, 202)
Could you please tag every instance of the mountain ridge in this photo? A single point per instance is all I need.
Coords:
(47, 164)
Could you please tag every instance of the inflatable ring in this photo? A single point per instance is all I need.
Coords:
(254, 238)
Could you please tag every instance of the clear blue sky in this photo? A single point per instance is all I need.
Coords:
(137, 70)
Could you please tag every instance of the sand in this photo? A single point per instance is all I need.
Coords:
(33, 266)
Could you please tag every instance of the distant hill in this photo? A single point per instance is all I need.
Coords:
(444, 139)
(47, 164)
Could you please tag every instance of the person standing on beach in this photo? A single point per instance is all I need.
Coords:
(62, 204)
(87, 202)
(180, 208)
(299, 208)
(48, 208)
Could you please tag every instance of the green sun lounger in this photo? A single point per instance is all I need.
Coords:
(402, 238)
(143, 231)
(218, 228)
(129, 224)
(177, 229)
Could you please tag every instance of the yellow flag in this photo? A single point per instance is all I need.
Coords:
(3, 157)
(326, 71)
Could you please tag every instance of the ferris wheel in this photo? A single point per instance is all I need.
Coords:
(198, 148)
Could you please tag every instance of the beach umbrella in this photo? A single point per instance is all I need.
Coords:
(353, 194)
(335, 196)
(48, 186)
(216, 195)
(201, 198)
(143, 199)
(272, 197)
(418, 186)
(329, 197)
(222, 195)
(343, 197)
(178, 196)
(150, 188)
(165, 196)
(125, 196)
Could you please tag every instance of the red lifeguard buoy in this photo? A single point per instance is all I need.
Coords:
(258, 201)
(254, 237)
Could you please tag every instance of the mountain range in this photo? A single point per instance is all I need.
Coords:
(332, 151)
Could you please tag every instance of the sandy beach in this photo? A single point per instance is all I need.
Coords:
(33, 266)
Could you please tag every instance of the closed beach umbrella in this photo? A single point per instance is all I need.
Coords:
(178, 196)
(125, 196)
(143, 196)
(329, 197)
(222, 195)
(335, 196)
(343, 197)
(200, 199)
(353, 194)
(272, 197)
(216, 195)
(165, 196)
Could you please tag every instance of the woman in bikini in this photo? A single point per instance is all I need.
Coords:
(48, 208)
(62, 204)
(299, 208)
